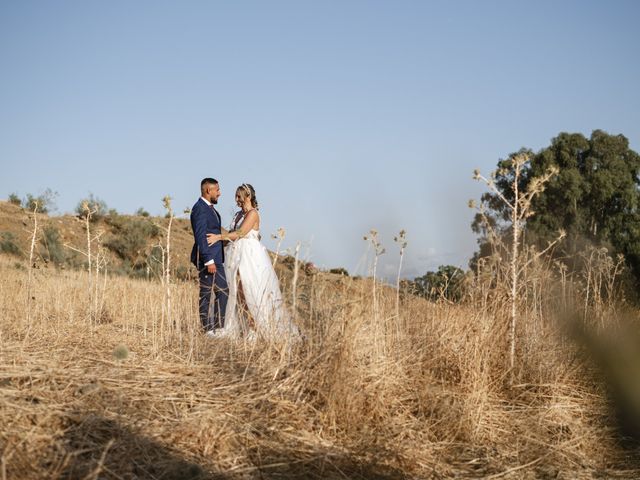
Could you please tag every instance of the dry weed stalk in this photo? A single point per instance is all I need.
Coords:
(166, 271)
(401, 240)
(31, 266)
(520, 209)
(294, 289)
(402, 243)
(88, 212)
(100, 265)
(600, 276)
(279, 235)
(95, 295)
(378, 250)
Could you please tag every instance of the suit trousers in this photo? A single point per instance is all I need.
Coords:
(214, 293)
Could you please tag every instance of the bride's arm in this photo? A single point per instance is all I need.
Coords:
(250, 221)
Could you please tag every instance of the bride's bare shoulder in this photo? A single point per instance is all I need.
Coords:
(253, 216)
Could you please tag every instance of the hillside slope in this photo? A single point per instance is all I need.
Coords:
(72, 233)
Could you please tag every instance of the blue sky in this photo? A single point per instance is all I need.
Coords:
(345, 116)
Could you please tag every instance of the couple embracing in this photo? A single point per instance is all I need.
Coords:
(239, 290)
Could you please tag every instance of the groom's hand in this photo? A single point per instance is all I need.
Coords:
(211, 268)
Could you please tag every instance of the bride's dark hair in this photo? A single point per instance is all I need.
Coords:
(247, 190)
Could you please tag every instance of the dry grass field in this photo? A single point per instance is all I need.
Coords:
(130, 390)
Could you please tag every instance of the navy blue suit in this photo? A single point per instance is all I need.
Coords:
(205, 219)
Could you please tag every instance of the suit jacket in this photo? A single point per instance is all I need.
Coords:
(205, 219)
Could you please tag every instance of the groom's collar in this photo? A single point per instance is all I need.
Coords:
(206, 201)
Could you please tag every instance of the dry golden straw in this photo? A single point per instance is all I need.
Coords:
(133, 396)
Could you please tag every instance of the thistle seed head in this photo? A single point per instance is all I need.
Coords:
(120, 352)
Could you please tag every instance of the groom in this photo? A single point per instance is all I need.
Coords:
(209, 260)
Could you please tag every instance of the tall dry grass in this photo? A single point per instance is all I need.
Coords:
(368, 394)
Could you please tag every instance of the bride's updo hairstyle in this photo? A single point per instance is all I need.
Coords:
(246, 190)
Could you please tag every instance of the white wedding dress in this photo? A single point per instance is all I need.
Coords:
(248, 263)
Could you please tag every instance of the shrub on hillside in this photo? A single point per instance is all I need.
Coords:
(340, 271)
(8, 244)
(14, 199)
(95, 205)
(52, 248)
(126, 269)
(46, 201)
(130, 238)
(141, 212)
(154, 262)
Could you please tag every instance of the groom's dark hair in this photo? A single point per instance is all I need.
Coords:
(207, 181)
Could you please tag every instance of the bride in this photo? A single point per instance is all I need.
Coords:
(255, 305)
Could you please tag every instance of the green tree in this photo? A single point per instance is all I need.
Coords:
(594, 197)
(447, 282)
